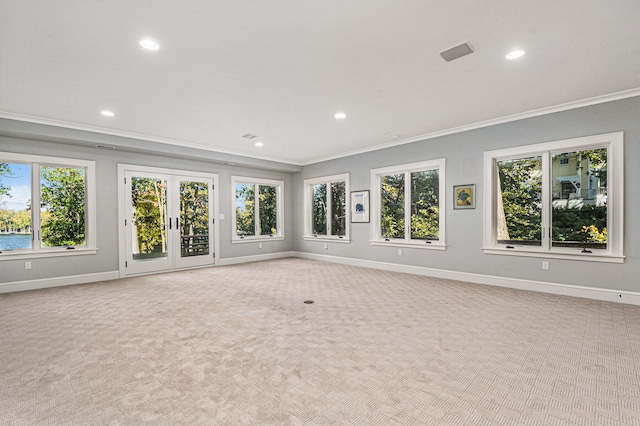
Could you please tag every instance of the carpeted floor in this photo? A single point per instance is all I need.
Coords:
(237, 345)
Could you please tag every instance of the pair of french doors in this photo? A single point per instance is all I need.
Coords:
(168, 221)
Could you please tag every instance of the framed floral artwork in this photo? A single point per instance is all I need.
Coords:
(464, 196)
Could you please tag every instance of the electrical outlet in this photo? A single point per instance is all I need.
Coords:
(399, 252)
(326, 246)
(545, 264)
(259, 245)
(27, 265)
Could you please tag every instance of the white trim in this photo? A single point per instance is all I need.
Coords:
(122, 194)
(324, 179)
(625, 94)
(614, 142)
(327, 239)
(438, 164)
(138, 136)
(255, 239)
(48, 252)
(308, 185)
(90, 206)
(412, 244)
(279, 184)
(58, 281)
(619, 296)
(524, 252)
(256, 258)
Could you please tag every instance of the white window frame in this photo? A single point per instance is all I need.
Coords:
(407, 169)
(614, 143)
(308, 201)
(37, 251)
(279, 209)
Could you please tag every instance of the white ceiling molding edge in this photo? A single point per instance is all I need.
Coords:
(132, 135)
(625, 94)
(501, 120)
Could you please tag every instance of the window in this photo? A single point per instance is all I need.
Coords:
(258, 209)
(326, 212)
(64, 190)
(408, 204)
(561, 199)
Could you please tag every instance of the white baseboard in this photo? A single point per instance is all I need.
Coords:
(57, 282)
(629, 297)
(256, 258)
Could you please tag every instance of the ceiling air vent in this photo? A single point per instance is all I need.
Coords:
(457, 52)
(249, 136)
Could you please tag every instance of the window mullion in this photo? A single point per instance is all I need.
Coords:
(378, 218)
(546, 201)
(35, 207)
(256, 209)
(329, 207)
(308, 204)
(407, 206)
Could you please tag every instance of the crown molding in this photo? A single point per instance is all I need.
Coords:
(487, 123)
(481, 124)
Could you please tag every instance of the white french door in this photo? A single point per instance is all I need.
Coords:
(168, 220)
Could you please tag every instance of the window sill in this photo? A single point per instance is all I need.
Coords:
(588, 257)
(259, 239)
(7, 255)
(328, 239)
(421, 246)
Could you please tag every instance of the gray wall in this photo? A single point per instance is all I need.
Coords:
(464, 228)
(107, 205)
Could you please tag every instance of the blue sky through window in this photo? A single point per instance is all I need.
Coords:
(20, 183)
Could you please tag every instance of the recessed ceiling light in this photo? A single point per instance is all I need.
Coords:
(340, 115)
(107, 113)
(258, 144)
(515, 54)
(149, 44)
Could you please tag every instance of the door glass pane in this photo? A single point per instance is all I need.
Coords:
(579, 189)
(15, 206)
(194, 218)
(425, 210)
(319, 214)
(392, 206)
(62, 206)
(338, 209)
(245, 210)
(149, 227)
(268, 210)
(518, 201)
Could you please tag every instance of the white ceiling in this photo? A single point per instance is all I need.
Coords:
(281, 69)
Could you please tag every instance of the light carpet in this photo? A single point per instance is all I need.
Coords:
(237, 345)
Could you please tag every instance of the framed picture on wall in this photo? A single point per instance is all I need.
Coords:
(464, 196)
(359, 206)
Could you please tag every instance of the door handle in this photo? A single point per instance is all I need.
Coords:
(177, 224)
(169, 223)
